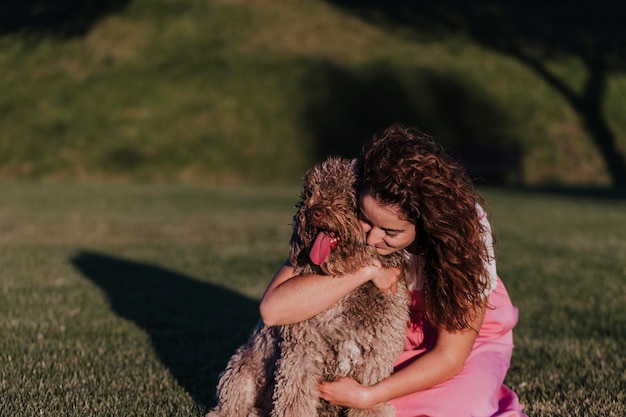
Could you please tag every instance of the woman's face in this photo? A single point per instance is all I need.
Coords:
(385, 228)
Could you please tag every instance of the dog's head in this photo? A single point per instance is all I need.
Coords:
(327, 235)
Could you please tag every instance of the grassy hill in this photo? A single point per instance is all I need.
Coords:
(246, 91)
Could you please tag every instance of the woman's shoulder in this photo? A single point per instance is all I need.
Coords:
(482, 213)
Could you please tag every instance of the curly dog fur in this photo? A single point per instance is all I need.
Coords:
(277, 371)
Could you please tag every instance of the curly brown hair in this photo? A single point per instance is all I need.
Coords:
(403, 167)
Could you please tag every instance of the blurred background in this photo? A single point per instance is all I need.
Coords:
(241, 92)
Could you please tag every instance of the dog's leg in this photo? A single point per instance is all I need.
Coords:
(236, 388)
(296, 393)
(376, 363)
(298, 372)
(244, 382)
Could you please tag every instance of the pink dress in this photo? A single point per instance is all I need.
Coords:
(478, 391)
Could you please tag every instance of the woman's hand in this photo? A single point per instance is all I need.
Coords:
(346, 392)
(385, 279)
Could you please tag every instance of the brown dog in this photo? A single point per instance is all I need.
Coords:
(277, 371)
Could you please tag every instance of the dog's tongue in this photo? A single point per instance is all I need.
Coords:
(321, 248)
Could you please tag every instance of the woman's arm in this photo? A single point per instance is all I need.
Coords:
(443, 362)
(291, 299)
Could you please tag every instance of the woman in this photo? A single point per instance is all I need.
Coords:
(415, 199)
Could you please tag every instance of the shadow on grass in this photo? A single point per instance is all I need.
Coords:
(591, 193)
(537, 34)
(59, 18)
(345, 107)
(194, 326)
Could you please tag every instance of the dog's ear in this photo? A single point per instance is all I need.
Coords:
(296, 245)
(297, 254)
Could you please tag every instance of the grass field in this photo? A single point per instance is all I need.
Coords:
(128, 300)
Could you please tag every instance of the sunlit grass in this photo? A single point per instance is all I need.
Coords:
(563, 258)
(128, 300)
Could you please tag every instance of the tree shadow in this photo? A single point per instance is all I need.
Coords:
(535, 33)
(60, 18)
(346, 106)
(194, 326)
(579, 193)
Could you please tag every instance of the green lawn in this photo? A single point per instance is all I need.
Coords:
(129, 299)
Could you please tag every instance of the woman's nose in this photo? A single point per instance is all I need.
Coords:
(374, 236)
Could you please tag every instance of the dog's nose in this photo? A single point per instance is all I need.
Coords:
(317, 213)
